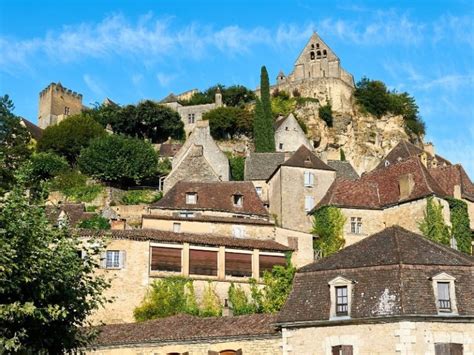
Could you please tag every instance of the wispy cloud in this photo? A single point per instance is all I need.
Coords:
(94, 85)
(165, 79)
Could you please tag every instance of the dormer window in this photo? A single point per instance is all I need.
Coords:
(238, 200)
(445, 295)
(340, 290)
(387, 163)
(191, 198)
(341, 301)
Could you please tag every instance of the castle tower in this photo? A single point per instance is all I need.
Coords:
(218, 98)
(281, 77)
(56, 103)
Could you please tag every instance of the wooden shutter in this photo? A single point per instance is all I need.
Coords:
(238, 264)
(203, 262)
(342, 350)
(268, 261)
(165, 259)
(122, 258)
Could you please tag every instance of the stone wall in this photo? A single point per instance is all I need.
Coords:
(372, 222)
(268, 345)
(289, 136)
(52, 103)
(379, 339)
(301, 242)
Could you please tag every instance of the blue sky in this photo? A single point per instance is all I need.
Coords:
(132, 50)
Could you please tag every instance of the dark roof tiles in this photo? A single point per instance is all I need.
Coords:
(260, 166)
(344, 169)
(304, 158)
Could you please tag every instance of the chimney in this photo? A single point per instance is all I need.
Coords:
(405, 186)
(429, 148)
(227, 311)
(457, 191)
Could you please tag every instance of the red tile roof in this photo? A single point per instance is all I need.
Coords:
(450, 176)
(213, 196)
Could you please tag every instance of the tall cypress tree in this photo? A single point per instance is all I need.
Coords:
(264, 133)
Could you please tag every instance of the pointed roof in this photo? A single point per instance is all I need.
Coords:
(35, 131)
(314, 40)
(450, 176)
(260, 166)
(344, 169)
(304, 158)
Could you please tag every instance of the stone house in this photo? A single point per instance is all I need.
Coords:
(192, 114)
(199, 159)
(133, 259)
(289, 135)
(395, 292)
(296, 186)
(185, 334)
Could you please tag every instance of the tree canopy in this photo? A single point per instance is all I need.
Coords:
(328, 226)
(70, 136)
(235, 95)
(229, 122)
(263, 130)
(47, 290)
(119, 159)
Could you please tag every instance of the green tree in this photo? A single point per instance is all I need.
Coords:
(433, 226)
(461, 229)
(210, 305)
(228, 122)
(239, 301)
(97, 222)
(233, 96)
(47, 291)
(14, 143)
(118, 159)
(373, 96)
(47, 165)
(237, 167)
(342, 155)
(267, 128)
(70, 136)
(328, 226)
(325, 113)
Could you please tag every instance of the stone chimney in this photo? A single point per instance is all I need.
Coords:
(405, 186)
(457, 191)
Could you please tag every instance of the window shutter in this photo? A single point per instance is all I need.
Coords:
(122, 258)
(103, 260)
(311, 179)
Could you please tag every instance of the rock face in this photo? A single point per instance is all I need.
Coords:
(363, 138)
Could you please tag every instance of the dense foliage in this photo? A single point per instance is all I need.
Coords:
(237, 167)
(75, 186)
(239, 301)
(328, 226)
(47, 290)
(229, 122)
(325, 113)
(14, 143)
(433, 226)
(47, 165)
(234, 96)
(97, 222)
(118, 159)
(460, 230)
(70, 136)
(135, 197)
(375, 98)
(263, 130)
(147, 120)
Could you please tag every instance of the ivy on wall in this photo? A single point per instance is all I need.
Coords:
(460, 230)
(433, 226)
(328, 225)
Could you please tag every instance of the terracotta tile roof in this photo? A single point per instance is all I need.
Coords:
(35, 131)
(186, 327)
(216, 219)
(304, 158)
(450, 176)
(405, 150)
(75, 212)
(171, 237)
(213, 196)
(344, 169)
(169, 150)
(260, 166)
(391, 275)
(380, 187)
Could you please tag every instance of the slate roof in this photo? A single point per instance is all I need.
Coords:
(304, 158)
(213, 196)
(405, 150)
(450, 176)
(75, 212)
(380, 187)
(172, 237)
(35, 132)
(185, 328)
(260, 166)
(169, 150)
(344, 169)
(391, 275)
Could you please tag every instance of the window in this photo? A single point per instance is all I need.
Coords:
(203, 262)
(341, 300)
(191, 198)
(186, 214)
(66, 110)
(445, 295)
(280, 146)
(267, 262)
(342, 350)
(318, 54)
(238, 264)
(308, 179)
(325, 53)
(191, 118)
(176, 227)
(317, 45)
(114, 259)
(311, 56)
(165, 259)
(238, 231)
(259, 190)
(448, 349)
(308, 203)
(356, 225)
(238, 200)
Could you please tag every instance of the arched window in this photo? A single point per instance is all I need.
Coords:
(312, 46)
(312, 55)
(318, 54)
(325, 53)
(317, 45)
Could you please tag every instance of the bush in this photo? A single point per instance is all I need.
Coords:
(70, 136)
(74, 186)
(283, 105)
(136, 197)
(119, 159)
(96, 222)
(47, 165)
(433, 226)
(232, 96)
(237, 167)
(228, 122)
(210, 305)
(461, 230)
(328, 226)
(239, 301)
(325, 113)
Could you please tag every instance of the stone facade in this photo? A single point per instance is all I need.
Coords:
(199, 159)
(402, 337)
(288, 195)
(56, 103)
(289, 136)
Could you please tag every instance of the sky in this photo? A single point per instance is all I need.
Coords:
(134, 50)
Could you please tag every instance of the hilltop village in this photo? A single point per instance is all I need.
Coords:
(346, 201)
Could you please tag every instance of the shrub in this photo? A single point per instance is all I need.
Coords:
(461, 230)
(232, 96)
(239, 301)
(47, 165)
(119, 159)
(74, 186)
(433, 226)
(136, 197)
(237, 167)
(342, 155)
(283, 106)
(325, 113)
(97, 222)
(210, 304)
(328, 226)
(228, 122)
